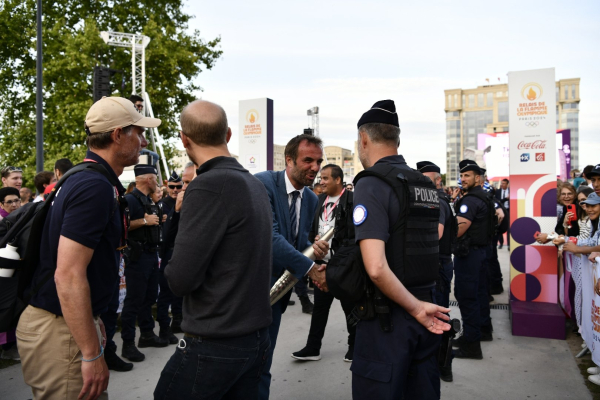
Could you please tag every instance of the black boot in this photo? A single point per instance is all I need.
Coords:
(149, 339)
(131, 352)
(176, 323)
(114, 362)
(456, 343)
(167, 334)
(446, 373)
(470, 350)
(307, 305)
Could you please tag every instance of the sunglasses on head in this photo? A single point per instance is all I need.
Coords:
(10, 169)
(175, 186)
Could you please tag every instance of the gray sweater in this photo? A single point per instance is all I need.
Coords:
(221, 262)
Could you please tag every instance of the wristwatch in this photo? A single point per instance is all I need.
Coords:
(145, 222)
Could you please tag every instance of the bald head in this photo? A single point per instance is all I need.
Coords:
(204, 123)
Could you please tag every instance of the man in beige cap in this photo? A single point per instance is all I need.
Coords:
(60, 337)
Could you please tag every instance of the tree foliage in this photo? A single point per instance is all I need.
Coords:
(71, 48)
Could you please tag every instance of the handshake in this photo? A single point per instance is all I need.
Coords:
(317, 273)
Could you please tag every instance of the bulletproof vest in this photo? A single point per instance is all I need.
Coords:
(412, 250)
(450, 229)
(481, 230)
(149, 235)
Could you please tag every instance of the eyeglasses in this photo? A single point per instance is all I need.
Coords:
(567, 194)
(175, 186)
(11, 202)
(9, 169)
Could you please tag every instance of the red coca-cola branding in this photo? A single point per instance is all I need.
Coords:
(538, 144)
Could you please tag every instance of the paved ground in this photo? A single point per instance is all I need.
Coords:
(512, 368)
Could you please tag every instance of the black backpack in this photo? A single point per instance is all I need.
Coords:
(23, 229)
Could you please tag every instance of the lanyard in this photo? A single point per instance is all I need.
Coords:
(123, 213)
(333, 207)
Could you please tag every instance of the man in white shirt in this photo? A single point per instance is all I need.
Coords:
(335, 207)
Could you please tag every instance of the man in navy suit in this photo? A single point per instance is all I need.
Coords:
(294, 207)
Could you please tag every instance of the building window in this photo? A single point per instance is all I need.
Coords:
(566, 92)
(471, 101)
(449, 101)
(480, 100)
(573, 92)
(498, 94)
(503, 111)
(490, 99)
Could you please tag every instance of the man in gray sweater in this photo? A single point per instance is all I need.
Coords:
(221, 265)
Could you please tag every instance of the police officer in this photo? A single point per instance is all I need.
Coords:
(446, 230)
(396, 214)
(475, 232)
(165, 296)
(177, 184)
(141, 265)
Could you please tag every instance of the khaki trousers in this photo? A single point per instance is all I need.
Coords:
(50, 358)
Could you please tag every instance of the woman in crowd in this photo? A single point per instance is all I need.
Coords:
(583, 221)
(567, 195)
(10, 200)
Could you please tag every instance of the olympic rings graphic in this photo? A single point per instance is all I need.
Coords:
(532, 124)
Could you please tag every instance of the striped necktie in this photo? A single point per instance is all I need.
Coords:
(293, 216)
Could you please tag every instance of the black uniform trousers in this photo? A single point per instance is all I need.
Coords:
(494, 271)
(166, 298)
(401, 364)
(320, 315)
(141, 278)
(471, 292)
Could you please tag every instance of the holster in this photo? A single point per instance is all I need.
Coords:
(445, 353)
(462, 246)
(133, 252)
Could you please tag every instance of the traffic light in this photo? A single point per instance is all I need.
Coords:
(102, 82)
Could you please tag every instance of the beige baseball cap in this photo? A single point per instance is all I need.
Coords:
(110, 113)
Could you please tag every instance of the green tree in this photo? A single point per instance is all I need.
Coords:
(71, 48)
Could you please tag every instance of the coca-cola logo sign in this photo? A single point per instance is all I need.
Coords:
(537, 144)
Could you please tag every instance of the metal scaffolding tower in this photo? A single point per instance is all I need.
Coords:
(314, 113)
(137, 44)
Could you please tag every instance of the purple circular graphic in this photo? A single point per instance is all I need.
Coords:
(523, 229)
(517, 258)
(533, 287)
(549, 203)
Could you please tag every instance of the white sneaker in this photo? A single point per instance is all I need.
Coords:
(595, 379)
(593, 370)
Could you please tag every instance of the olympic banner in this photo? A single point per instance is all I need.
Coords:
(586, 300)
(532, 156)
(256, 135)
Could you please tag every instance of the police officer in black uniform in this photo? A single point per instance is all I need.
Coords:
(141, 265)
(475, 231)
(447, 233)
(396, 214)
(166, 298)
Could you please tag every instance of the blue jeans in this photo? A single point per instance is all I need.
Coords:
(203, 368)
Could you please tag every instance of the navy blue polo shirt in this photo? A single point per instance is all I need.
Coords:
(376, 206)
(136, 209)
(471, 207)
(86, 211)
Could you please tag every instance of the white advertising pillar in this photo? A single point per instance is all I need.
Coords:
(256, 135)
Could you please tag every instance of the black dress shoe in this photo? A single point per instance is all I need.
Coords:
(131, 352)
(291, 302)
(500, 247)
(307, 354)
(307, 305)
(470, 350)
(149, 339)
(486, 333)
(114, 362)
(456, 343)
(167, 334)
(446, 373)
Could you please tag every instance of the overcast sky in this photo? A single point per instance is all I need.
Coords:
(345, 55)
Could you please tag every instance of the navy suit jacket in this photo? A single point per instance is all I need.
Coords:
(285, 255)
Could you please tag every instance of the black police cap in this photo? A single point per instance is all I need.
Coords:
(469, 165)
(144, 169)
(427, 166)
(382, 112)
(175, 178)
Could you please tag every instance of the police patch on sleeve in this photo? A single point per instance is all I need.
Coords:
(464, 209)
(359, 215)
